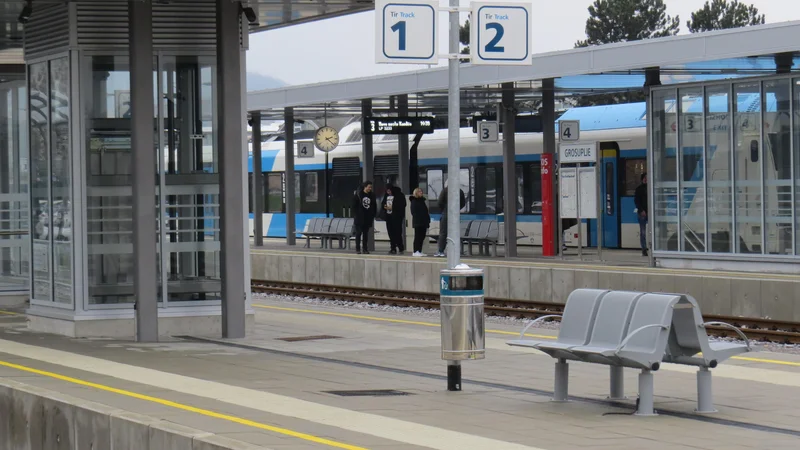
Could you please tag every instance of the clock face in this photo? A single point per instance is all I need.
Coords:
(326, 139)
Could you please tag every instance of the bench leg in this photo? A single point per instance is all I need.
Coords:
(617, 383)
(705, 398)
(561, 388)
(645, 394)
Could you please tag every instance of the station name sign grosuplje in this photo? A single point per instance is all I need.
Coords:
(397, 125)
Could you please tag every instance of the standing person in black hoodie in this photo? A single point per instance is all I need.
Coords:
(640, 200)
(420, 219)
(364, 209)
(394, 206)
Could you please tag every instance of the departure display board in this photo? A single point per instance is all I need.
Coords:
(397, 125)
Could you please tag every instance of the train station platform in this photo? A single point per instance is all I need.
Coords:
(535, 278)
(375, 381)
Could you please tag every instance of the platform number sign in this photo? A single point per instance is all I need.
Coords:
(305, 149)
(488, 131)
(569, 130)
(502, 33)
(406, 31)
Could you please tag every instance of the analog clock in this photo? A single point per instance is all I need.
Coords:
(326, 139)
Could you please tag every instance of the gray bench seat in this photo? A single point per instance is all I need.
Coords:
(636, 330)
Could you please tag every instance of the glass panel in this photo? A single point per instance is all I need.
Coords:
(491, 191)
(693, 195)
(109, 202)
(777, 167)
(664, 211)
(61, 179)
(40, 176)
(796, 154)
(747, 176)
(463, 176)
(435, 183)
(634, 168)
(191, 190)
(274, 193)
(14, 196)
(718, 169)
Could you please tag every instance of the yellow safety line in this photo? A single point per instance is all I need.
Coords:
(7, 313)
(183, 407)
(510, 333)
(383, 319)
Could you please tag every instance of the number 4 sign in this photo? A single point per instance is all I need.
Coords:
(502, 33)
(569, 130)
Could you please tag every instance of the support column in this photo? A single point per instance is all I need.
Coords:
(509, 171)
(231, 109)
(652, 77)
(368, 159)
(258, 179)
(145, 284)
(288, 126)
(551, 240)
(402, 148)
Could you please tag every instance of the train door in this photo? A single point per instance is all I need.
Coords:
(609, 193)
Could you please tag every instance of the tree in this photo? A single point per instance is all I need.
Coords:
(721, 14)
(463, 37)
(628, 20)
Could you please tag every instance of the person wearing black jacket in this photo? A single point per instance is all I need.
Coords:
(640, 199)
(394, 208)
(443, 221)
(364, 209)
(420, 219)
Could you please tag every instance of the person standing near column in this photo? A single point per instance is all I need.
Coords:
(640, 199)
(420, 219)
(394, 207)
(443, 221)
(364, 209)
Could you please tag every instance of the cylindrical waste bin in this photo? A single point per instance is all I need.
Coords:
(461, 303)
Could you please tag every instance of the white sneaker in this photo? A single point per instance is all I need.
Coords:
(418, 254)
(439, 255)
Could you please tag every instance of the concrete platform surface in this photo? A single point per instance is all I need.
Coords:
(287, 394)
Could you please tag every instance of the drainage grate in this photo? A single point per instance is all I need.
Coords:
(369, 393)
(308, 338)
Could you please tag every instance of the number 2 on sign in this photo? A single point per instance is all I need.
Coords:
(492, 46)
(400, 27)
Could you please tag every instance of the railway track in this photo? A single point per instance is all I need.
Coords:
(767, 330)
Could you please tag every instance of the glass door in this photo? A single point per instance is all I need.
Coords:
(189, 179)
(14, 197)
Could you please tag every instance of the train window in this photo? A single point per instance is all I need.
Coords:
(355, 136)
(312, 186)
(274, 197)
(536, 189)
(609, 188)
(464, 181)
(435, 186)
(297, 192)
(491, 191)
(520, 190)
(250, 192)
(634, 168)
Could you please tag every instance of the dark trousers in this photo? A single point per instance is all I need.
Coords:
(643, 231)
(362, 234)
(395, 231)
(419, 238)
(442, 233)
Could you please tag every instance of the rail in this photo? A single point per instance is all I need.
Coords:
(767, 330)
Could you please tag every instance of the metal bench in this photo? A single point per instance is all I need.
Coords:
(636, 330)
(341, 231)
(316, 228)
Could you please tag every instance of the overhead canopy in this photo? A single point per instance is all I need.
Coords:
(270, 13)
(599, 69)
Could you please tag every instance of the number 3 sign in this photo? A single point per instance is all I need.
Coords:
(502, 33)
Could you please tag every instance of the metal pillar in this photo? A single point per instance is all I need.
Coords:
(258, 179)
(705, 397)
(561, 385)
(652, 78)
(291, 195)
(617, 383)
(549, 142)
(369, 161)
(645, 394)
(145, 285)
(231, 109)
(510, 171)
(402, 148)
(453, 141)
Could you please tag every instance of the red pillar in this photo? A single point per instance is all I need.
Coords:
(548, 212)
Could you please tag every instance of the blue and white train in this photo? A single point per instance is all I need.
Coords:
(620, 131)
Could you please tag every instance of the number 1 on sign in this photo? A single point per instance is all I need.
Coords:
(400, 27)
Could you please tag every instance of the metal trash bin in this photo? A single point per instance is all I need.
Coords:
(461, 303)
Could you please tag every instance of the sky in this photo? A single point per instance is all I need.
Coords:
(343, 47)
